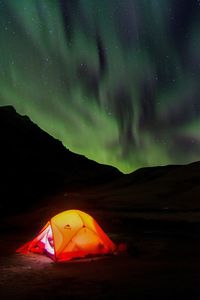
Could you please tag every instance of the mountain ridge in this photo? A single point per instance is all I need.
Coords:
(34, 164)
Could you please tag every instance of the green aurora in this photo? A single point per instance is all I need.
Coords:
(116, 81)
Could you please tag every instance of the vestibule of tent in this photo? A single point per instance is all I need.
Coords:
(68, 235)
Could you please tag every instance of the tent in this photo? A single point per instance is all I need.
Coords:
(68, 235)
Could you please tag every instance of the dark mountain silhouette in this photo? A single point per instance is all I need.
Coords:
(34, 164)
(166, 188)
(175, 187)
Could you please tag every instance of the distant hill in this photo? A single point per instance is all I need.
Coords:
(167, 188)
(33, 164)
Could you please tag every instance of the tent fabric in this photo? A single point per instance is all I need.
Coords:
(68, 235)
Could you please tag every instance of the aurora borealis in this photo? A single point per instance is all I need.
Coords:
(117, 81)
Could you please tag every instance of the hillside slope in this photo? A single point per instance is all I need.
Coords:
(34, 164)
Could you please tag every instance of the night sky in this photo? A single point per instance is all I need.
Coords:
(115, 80)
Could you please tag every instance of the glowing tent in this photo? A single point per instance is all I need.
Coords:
(70, 234)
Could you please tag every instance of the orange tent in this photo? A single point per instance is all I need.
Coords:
(70, 234)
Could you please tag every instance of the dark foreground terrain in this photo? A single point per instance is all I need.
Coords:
(162, 262)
